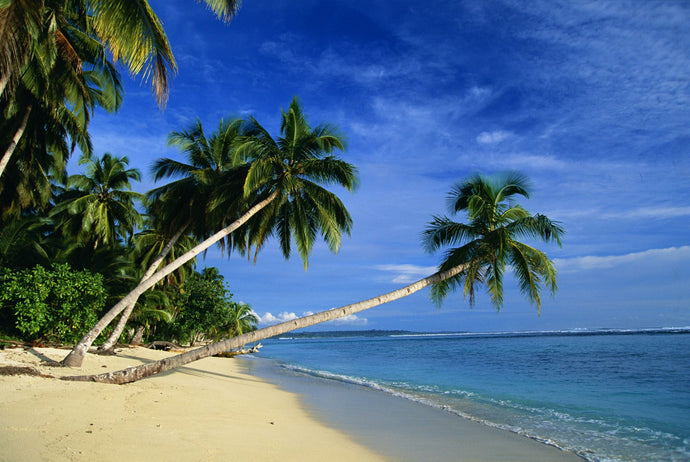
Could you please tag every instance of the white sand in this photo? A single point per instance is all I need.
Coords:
(209, 410)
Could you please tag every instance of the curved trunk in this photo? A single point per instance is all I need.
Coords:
(76, 356)
(15, 140)
(119, 327)
(112, 340)
(133, 374)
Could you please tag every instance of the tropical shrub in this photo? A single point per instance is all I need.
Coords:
(207, 311)
(57, 304)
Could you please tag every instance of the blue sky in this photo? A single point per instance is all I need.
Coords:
(590, 99)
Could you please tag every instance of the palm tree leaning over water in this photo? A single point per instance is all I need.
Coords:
(489, 243)
(491, 239)
(287, 173)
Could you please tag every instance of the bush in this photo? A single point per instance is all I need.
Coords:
(57, 304)
(207, 312)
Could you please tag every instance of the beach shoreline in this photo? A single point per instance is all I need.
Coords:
(401, 429)
(209, 410)
(218, 407)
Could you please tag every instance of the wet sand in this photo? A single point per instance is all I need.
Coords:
(404, 430)
(229, 409)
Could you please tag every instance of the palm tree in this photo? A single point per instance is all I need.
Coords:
(63, 72)
(99, 209)
(183, 205)
(487, 199)
(22, 242)
(294, 165)
(490, 239)
(131, 32)
(242, 319)
(288, 172)
(152, 248)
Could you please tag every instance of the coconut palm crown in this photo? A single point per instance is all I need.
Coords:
(489, 241)
(298, 164)
(100, 206)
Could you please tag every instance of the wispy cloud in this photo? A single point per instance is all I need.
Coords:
(406, 274)
(611, 261)
(493, 137)
(650, 212)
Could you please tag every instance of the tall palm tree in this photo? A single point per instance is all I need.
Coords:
(130, 30)
(99, 206)
(296, 165)
(488, 201)
(490, 239)
(182, 206)
(64, 76)
(286, 171)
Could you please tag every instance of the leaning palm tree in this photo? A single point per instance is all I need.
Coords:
(152, 248)
(491, 239)
(287, 171)
(488, 201)
(35, 34)
(182, 206)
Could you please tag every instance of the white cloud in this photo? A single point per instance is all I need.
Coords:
(610, 261)
(492, 137)
(406, 274)
(270, 319)
(351, 320)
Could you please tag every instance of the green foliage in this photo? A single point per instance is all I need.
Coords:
(491, 240)
(57, 304)
(207, 311)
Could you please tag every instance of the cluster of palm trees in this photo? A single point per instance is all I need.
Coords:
(238, 188)
(485, 245)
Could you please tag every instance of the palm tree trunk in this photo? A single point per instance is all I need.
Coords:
(133, 374)
(76, 356)
(149, 272)
(15, 140)
(138, 335)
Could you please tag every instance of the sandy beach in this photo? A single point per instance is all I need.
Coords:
(216, 409)
(209, 410)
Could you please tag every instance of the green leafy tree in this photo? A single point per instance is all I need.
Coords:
(205, 307)
(56, 304)
(490, 239)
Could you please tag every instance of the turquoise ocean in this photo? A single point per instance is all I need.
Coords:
(607, 395)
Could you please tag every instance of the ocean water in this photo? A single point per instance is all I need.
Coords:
(606, 395)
